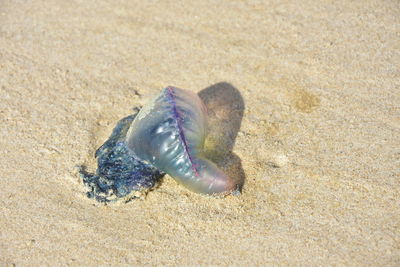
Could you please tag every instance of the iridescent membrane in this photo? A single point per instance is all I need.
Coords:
(169, 133)
(166, 136)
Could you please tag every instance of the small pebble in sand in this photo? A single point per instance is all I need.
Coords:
(279, 160)
(273, 157)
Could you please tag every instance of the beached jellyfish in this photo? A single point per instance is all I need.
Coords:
(166, 136)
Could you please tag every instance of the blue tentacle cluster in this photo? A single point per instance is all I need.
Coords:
(119, 173)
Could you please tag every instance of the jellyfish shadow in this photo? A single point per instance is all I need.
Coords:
(225, 107)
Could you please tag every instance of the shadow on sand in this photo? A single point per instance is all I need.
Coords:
(225, 107)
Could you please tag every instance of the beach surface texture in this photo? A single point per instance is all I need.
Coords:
(304, 104)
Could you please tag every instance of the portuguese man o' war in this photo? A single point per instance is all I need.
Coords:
(166, 136)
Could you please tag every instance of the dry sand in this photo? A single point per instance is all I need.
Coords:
(305, 93)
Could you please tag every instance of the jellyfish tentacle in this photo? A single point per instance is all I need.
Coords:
(119, 175)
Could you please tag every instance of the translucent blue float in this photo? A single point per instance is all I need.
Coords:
(166, 136)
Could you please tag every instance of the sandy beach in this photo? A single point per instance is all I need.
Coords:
(304, 104)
